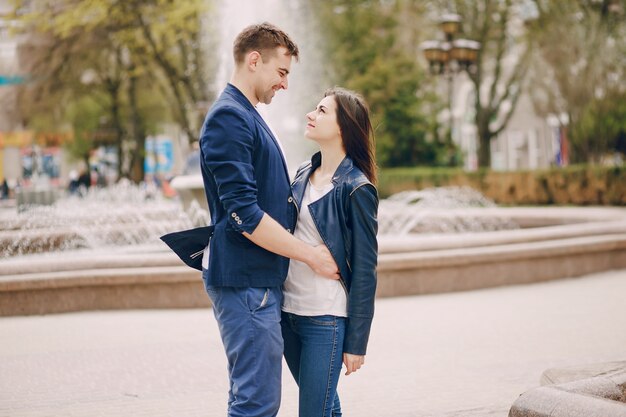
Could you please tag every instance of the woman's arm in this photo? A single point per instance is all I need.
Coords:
(363, 209)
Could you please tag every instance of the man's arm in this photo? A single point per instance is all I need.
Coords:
(228, 143)
(270, 235)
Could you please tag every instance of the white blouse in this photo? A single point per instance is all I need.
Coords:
(305, 292)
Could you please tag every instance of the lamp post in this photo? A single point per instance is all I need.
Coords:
(450, 56)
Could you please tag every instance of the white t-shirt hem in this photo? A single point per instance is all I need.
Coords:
(311, 313)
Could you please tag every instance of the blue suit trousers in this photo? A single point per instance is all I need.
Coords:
(249, 324)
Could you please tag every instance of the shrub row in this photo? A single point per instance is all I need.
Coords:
(573, 185)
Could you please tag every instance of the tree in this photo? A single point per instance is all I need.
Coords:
(108, 50)
(579, 71)
(501, 66)
(600, 129)
(368, 52)
(171, 34)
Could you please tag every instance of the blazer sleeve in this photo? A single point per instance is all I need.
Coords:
(363, 209)
(228, 143)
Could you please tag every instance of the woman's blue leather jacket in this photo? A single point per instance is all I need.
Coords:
(346, 219)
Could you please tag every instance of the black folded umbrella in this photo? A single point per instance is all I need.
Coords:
(189, 244)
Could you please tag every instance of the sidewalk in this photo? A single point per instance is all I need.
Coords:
(457, 354)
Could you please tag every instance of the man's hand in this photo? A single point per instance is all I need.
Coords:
(353, 362)
(273, 237)
(322, 263)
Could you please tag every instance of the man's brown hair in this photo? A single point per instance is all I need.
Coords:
(263, 38)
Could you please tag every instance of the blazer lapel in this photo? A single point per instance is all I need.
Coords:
(240, 98)
(260, 119)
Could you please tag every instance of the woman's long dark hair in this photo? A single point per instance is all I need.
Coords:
(353, 117)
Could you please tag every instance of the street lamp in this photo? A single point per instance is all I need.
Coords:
(451, 56)
(450, 25)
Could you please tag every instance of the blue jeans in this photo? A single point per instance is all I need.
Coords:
(249, 323)
(314, 354)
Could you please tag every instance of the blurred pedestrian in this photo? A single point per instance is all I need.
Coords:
(4, 189)
(84, 182)
(73, 183)
(192, 164)
(101, 180)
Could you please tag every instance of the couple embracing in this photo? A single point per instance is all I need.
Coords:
(290, 268)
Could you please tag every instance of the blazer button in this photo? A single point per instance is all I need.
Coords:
(289, 230)
(290, 199)
(239, 222)
(234, 215)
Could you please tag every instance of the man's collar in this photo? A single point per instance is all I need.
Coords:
(238, 95)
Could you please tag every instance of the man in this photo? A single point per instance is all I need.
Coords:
(4, 190)
(247, 187)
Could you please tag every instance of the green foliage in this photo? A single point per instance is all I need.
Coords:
(601, 127)
(402, 129)
(579, 70)
(136, 64)
(84, 114)
(573, 185)
(363, 48)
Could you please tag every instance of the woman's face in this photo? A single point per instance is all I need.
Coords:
(322, 123)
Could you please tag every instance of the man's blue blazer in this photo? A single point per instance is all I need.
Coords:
(245, 175)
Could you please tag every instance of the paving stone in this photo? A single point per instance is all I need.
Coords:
(458, 354)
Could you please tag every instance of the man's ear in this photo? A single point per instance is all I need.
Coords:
(252, 60)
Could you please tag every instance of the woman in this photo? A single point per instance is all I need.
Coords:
(324, 320)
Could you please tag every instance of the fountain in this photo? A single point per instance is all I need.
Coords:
(103, 252)
(286, 114)
(40, 192)
(436, 210)
(117, 216)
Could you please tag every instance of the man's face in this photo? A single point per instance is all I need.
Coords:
(272, 73)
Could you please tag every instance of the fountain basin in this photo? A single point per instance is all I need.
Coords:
(190, 188)
(153, 277)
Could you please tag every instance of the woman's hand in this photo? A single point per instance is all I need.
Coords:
(353, 362)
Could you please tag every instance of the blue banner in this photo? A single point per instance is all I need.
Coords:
(159, 155)
(11, 79)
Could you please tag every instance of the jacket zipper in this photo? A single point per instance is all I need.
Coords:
(343, 284)
(295, 203)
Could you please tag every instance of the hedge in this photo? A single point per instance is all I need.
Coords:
(573, 185)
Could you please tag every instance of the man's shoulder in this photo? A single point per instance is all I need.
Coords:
(227, 114)
(226, 105)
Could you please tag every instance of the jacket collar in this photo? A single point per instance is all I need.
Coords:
(240, 98)
(299, 185)
(344, 167)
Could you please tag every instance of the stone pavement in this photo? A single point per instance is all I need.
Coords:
(456, 354)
